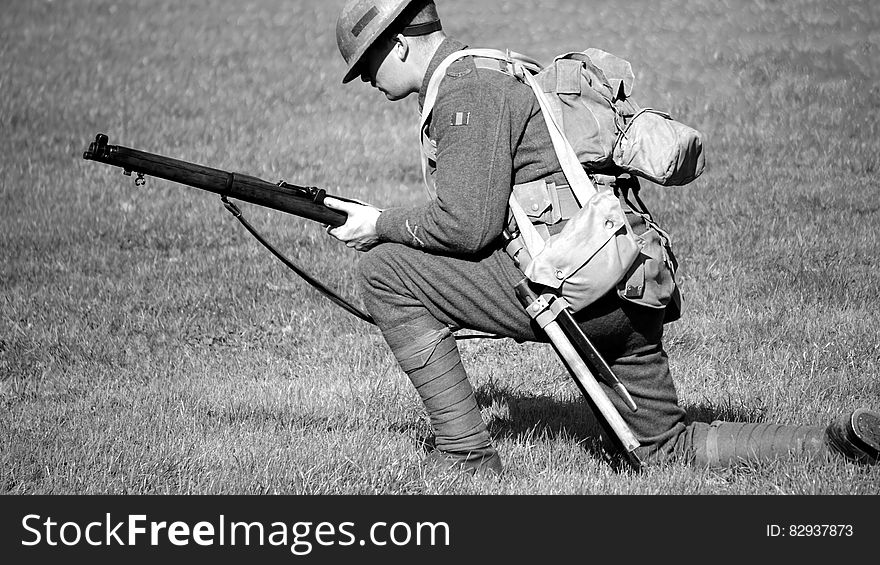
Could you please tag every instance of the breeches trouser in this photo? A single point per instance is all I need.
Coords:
(414, 295)
(402, 285)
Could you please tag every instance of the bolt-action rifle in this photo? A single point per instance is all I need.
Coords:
(575, 349)
(304, 201)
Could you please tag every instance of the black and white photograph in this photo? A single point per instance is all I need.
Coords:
(366, 268)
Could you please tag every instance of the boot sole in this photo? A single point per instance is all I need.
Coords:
(865, 425)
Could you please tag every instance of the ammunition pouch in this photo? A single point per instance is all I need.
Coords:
(650, 280)
(585, 252)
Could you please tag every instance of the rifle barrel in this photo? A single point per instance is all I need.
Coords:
(307, 202)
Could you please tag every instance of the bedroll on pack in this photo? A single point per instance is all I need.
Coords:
(589, 93)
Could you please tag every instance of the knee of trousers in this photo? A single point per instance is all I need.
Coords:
(380, 275)
(375, 267)
(659, 419)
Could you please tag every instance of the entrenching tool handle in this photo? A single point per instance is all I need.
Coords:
(609, 417)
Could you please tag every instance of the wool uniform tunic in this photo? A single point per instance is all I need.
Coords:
(445, 259)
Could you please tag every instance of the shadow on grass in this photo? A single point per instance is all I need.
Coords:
(530, 416)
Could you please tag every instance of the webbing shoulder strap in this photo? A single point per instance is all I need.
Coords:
(523, 68)
(428, 147)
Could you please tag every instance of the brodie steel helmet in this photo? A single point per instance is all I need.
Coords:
(362, 22)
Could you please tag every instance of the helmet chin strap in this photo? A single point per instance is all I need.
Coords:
(422, 29)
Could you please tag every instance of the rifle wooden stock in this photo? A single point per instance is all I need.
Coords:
(307, 202)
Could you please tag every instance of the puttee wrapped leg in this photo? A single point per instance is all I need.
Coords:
(427, 352)
(722, 444)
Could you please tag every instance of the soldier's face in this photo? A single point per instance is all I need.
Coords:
(383, 67)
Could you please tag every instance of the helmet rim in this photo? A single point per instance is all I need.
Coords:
(386, 13)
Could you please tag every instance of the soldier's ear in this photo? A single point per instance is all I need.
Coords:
(401, 46)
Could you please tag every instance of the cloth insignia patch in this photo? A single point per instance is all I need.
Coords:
(461, 119)
(456, 72)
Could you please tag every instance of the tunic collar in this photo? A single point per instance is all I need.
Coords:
(447, 48)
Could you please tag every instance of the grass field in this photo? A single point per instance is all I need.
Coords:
(149, 345)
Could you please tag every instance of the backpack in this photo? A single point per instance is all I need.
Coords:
(589, 95)
(597, 132)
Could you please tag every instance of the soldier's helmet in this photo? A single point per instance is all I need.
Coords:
(360, 24)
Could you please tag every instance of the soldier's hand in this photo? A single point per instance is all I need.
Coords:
(359, 230)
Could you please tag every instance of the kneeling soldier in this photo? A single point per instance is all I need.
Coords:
(433, 268)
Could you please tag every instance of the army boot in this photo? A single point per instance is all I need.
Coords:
(483, 462)
(856, 436)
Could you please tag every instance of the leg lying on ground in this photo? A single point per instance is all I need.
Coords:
(854, 436)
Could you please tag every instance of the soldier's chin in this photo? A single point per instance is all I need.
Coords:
(395, 97)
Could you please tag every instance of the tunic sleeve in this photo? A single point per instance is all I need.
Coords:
(471, 125)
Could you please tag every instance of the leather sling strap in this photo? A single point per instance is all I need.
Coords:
(318, 285)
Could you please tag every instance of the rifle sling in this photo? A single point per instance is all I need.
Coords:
(329, 293)
(323, 289)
